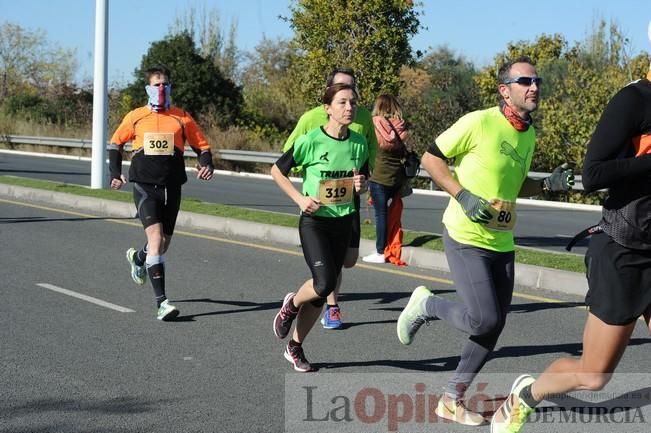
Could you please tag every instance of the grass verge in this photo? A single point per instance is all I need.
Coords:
(566, 262)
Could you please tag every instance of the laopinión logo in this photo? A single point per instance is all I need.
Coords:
(404, 402)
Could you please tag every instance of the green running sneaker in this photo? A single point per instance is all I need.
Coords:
(138, 273)
(513, 413)
(413, 317)
(167, 311)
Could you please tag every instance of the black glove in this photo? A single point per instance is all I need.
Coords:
(475, 208)
(561, 179)
(205, 160)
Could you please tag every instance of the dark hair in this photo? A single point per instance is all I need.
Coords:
(331, 91)
(157, 70)
(505, 69)
(335, 71)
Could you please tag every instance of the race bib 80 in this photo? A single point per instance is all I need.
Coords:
(158, 143)
(504, 215)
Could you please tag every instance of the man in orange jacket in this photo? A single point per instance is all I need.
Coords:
(158, 132)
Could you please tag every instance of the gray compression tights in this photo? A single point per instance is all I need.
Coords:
(484, 283)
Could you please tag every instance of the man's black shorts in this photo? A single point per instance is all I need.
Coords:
(157, 204)
(619, 281)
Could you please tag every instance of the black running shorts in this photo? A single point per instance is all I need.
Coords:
(157, 204)
(619, 281)
(325, 242)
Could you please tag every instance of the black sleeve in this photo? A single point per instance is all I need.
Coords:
(115, 163)
(365, 170)
(286, 161)
(610, 157)
(434, 150)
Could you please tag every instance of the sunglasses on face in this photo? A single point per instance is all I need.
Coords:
(525, 81)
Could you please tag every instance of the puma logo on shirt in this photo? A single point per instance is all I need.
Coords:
(507, 149)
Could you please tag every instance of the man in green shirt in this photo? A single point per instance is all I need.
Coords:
(362, 124)
(492, 150)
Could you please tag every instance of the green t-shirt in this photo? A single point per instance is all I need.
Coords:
(324, 157)
(492, 160)
(363, 124)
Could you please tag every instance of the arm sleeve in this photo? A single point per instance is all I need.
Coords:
(434, 150)
(365, 170)
(610, 155)
(297, 155)
(286, 161)
(115, 162)
(123, 134)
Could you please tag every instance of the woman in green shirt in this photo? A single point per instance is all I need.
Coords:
(335, 165)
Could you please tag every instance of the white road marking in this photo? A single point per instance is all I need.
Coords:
(86, 298)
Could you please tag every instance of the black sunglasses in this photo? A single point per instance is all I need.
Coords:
(524, 81)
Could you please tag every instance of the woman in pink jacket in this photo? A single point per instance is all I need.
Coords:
(388, 175)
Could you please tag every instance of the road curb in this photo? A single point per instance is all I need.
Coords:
(528, 276)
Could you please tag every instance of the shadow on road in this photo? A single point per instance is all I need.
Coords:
(380, 298)
(547, 241)
(449, 363)
(422, 240)
(540, 306)
(247, 306)
(124, 405)
(63, 410)
(47, 220)
(72, 173)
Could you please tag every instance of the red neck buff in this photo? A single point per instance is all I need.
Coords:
(516, 121)
(161, 96)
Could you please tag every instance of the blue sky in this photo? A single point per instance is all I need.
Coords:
(478, 29)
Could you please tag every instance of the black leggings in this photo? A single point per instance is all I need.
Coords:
(324, 241)
(484, 281)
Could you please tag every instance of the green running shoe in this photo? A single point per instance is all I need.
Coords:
(167, 311)
(413, 317)
(513, 413)
(138, 273)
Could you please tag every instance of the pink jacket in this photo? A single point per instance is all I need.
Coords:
(386, 137)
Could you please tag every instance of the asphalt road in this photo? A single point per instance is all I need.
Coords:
(538, 227)
(69, 365)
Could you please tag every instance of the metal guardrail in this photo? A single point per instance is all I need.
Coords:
(225, 154)
(249, 156)
(48, 141)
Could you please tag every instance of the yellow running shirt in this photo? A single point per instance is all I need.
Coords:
(492, 160)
